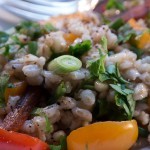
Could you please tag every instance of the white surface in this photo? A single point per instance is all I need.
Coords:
(7, 19)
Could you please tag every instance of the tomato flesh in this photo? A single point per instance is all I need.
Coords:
(104, 136)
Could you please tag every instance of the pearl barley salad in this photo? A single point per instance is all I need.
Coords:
(76, 82)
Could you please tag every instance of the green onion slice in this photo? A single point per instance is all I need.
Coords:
(64, 64)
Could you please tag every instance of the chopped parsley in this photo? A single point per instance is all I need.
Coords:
(80, 48)
(3, 84)
(123, 95)
(62, 146)
(32, 47)
(116, 24)
(115, 4)
(33, 29)
(125, 33)
(3, 37)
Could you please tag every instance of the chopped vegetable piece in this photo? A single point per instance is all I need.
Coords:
(3, 37)
(18, 89)
(55, 147)
(80, 48)
(62, 146)
(143, 41)
(3, 85)
(33, 29)
(116, 24)
(133, 23)
(143, 132)
(104, 136)
(49, 127)
(32, 47)
(125, 33)
(70, 37)
(64, 64)
(60, 91)
(114, 4)
(18, 141)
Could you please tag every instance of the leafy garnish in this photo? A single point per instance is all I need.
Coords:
(116, 24)
(123, 95)
(97, 68)
(3, 84)
(101, 108)
(34, 30)
(103, 43)
(143, 132)
(60, 91)
(63, 142)
(49, 127)
(114, 4)
(3, 38)
(32, 47)
(62, 146)
(80, 48)
(125, 33)
(127, 103)
(36, 112)
(55, 147)
(10, 85)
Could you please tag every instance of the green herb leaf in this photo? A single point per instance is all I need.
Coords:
(121, 90)
(121, 102)
(62, 146)
(3, 37)
(103, 43)
(55, 147)
(32, 47)
(114, 74)
(10, 85)
(33, 29)
(101, 108)
(49, 127)
(80, 48)
(3, 84)
(143, 132)
(117, 88)
(63, 142)
(49, 27)
(115, 4)
(116, 24)
(60, 91)
(131, 103)
(37, 112)
(125, 33)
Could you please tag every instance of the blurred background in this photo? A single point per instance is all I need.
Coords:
(13, 11)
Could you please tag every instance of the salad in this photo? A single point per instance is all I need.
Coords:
(77, 82)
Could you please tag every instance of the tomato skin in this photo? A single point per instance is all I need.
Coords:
(104, 136)
(10, 140)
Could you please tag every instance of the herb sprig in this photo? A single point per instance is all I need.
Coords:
(123, 95)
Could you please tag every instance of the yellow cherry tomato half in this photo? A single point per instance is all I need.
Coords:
(109, 135)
